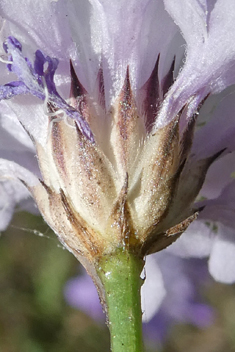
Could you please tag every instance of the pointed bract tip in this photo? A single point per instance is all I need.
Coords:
(77, 88)
(101, 90)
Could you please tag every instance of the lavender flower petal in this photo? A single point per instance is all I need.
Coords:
(222, 257)
(81, 293)
(210, 61)
(12, 193)
(196, 241)
(11, 89)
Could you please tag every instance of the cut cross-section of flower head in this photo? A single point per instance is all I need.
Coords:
(118, 102)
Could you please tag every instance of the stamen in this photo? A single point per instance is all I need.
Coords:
(7, 62)
(38, 80)
(46, 103)
(55, 114)
(46, 100)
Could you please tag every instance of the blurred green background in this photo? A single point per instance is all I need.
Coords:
(34, 316)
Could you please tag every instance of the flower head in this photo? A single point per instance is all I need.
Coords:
(120, 163)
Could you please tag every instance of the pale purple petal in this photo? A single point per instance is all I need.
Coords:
(183, 280)
(196, 241)
(180, 278)
(217, 118)
(208, 28)
(15, 145)
(201, 315)
(12, 135)
(181, 283)
(81, 293)
(219, 175)
(30, 113)
(12, 171)
(25, 159)
(222, 258)
(11, 193)
(152, 291)
(36, 16)
(139, 42)
(222, 208)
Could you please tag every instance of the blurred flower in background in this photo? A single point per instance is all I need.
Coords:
(183, 301)
(183, 280)
(80, 292)
(34, 275)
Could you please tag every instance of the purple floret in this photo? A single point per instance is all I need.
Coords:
(32, 80)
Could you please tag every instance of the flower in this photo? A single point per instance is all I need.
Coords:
(123, 156)
(182, 302)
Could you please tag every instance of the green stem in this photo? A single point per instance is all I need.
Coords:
(120, 275)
